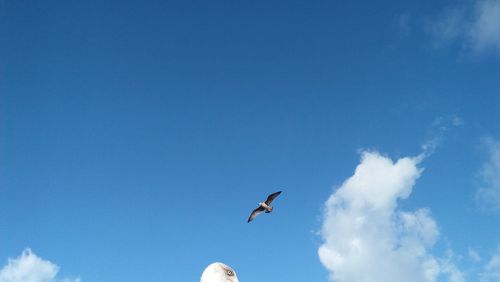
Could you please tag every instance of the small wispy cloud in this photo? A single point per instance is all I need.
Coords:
(367, 237)
(450, 26)
(473, 255)
(485, 28)
(437, 132)
(475, 26)
(491, 271)
(488, 193)
(403, 24)
(28, 267)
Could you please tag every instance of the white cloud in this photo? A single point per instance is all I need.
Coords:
(485, 27)
(474, 256)
(492, 269)
(488, 193)
(366, 237)
(28, 267)
(476, 26)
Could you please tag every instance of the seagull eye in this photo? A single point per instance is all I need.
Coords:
(229, 272)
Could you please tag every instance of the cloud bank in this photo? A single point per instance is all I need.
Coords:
(28, 267)
(366, 237)
(488, 193)
(476, 26)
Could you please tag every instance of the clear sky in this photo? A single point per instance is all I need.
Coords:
(137, 136)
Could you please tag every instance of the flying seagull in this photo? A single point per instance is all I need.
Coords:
(218, 272)
(264, 206)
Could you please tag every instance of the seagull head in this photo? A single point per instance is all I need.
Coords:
(219, 272)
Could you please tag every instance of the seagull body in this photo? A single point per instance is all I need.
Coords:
(264, 206)
(218, 272)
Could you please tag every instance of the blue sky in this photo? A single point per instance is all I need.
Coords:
(137, 136)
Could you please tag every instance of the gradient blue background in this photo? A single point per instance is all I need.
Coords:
(136, 136)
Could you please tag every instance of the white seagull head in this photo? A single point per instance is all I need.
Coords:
(219, 272)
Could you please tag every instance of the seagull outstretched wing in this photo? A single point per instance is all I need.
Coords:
(271, 197)
(255, 212)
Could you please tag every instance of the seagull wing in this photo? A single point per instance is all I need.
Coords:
(271, 197)
(255, 212)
